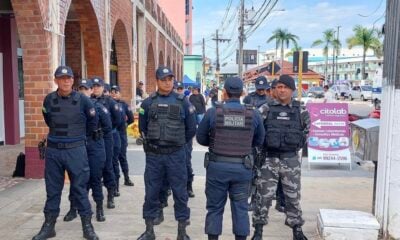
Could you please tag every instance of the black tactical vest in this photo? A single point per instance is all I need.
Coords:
(166, 127)
(233, 133)
(283, 129)
(66, 117)
(255, 99)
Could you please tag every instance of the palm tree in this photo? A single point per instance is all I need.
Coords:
(294, 49)
(328, 40)
(367, 39)
(282, 38)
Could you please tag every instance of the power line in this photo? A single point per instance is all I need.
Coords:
(253, 29)
(228, 8)
(373, 12)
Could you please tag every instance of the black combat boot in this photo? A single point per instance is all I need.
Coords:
(190, 190)
(258, 230)
(47, 230)
(182, 231)
(71, 214)
(160, 218)
(100, 212)
(237, 237)
(110, 199)
(116, 193)
(298, 233)
(87, 227)
(149, 233)
(128, 181)
(212, 237)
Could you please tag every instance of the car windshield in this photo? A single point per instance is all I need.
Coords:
(366, 88)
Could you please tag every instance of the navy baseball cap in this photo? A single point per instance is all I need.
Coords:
(63, 71)
(86, 83)
(178, 84)
(107, 87)
(262, 83)
(233, 85)
(116, 88)
(163, 72)
(97, 81)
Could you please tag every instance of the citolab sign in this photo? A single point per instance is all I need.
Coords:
(329, 136)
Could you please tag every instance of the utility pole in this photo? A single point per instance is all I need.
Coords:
(204, 66)
(241, 38)
(217, 40)
(337, 49)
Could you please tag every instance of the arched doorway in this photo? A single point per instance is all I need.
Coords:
(120, 61)
(83, 48)
(150, 70)
(161, 59)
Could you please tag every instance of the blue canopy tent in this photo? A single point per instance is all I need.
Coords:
(187, 82)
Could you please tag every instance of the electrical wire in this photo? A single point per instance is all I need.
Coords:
(373, 12)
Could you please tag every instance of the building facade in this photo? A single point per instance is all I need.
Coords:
(122, 41)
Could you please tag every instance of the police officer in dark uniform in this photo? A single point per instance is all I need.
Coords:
(166, 122)
(127, 116)
(115, 115)
(230, 130)
(69, 116)
(287, 125)
(96, 155)
(259, 96)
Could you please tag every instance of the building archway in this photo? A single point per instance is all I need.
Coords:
(150, 70)
(83, 47)
(169, 62)
(161, 59)
(120, 61)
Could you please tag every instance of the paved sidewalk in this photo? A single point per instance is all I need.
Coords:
(21, 210)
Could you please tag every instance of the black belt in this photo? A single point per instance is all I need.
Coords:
(281, 155)
(66, 145)
(161, 150)
(219, 158)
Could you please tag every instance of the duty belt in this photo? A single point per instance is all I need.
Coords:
(161, 150)
(282, 154)
(219, 158)
(66, 145)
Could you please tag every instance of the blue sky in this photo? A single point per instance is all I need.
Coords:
(304, 18)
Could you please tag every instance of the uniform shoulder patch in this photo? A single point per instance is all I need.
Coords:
(116, 107)
(44, 110)
(104, 109)
(141, 111)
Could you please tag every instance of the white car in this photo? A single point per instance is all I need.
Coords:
(341, 90)
(361, 92)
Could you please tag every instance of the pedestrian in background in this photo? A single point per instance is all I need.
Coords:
(230, 131)
(287, 125)
(213, 94)
(328, 95)
(199, 103)
(70, 116)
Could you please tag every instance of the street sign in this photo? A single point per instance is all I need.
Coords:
(296, 64)
(271, 66)
(249, 56)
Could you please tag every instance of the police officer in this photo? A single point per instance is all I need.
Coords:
(230, 130)
(259, 96)
(166, 123)
(127, 116)
(96, 155)
(69, 116)
(115, 115)
(287, 127)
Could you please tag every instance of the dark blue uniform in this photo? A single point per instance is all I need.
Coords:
(69, 119)
(255, 99)
(117, 146)
(169, 159)
(226, 177)
(115, 117)
(128, 119)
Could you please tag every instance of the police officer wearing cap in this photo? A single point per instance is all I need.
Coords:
(96, 154)
(127, 116)
(116, 119)
(166, 123)
(230, 130)
(259, 96)
(69, 116)
(287, 125)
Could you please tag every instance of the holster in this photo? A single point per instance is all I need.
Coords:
(206, 159)
(42, 148)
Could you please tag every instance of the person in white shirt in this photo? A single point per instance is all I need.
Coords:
(328, 95)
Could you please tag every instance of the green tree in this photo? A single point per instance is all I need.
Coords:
(294, 49)
(282, 38)
(367, 38)
(328, 40)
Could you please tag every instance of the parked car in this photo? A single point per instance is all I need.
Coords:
(304, 97)
(316, 92)
(361, 92)
(341, 90)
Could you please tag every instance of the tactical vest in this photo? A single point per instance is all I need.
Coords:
(166, 127)
(284, 132)
(67, 119)
(233, 133)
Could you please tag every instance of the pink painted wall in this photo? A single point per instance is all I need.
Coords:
(175, 12)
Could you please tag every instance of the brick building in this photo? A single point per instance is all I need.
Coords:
(121, 40)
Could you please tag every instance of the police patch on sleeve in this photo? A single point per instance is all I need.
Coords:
(44, 110)
(116, 107)
(92, 112)
(141, 111)
(105, 110)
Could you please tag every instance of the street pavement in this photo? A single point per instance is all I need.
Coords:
(323, 186)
